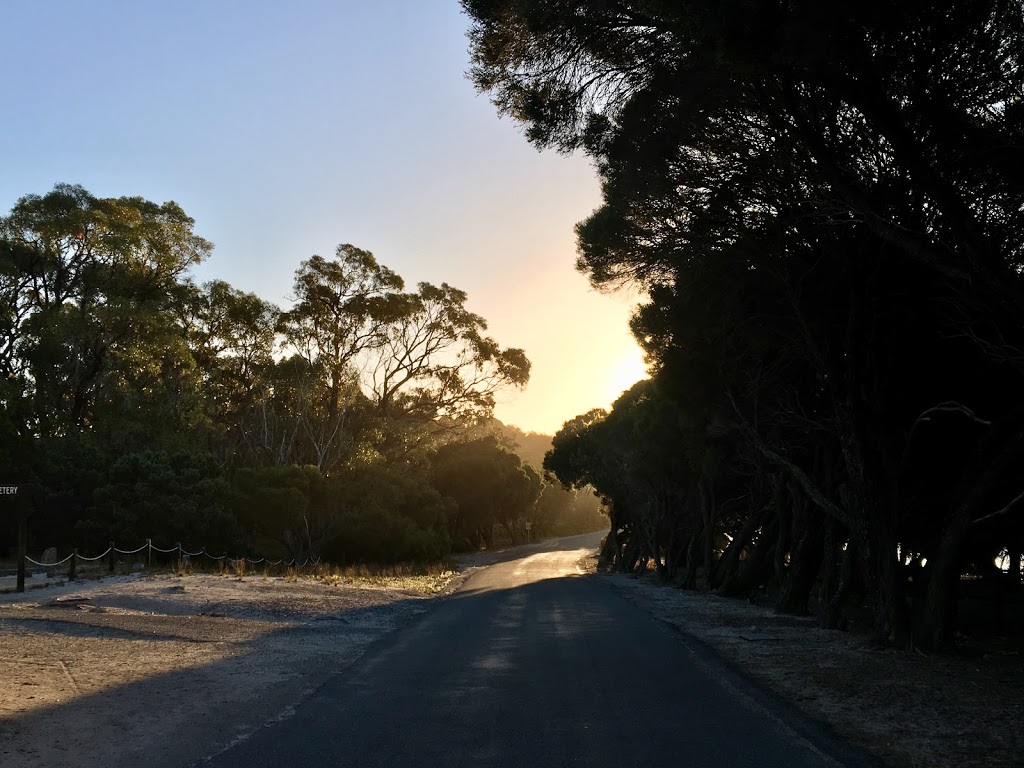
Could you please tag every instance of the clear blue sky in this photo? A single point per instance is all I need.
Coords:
(284, 129)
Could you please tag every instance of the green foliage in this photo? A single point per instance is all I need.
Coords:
(284, 510)
(86, 285)
(489, 486)
(435, 361)
(562, 512)
(115, 366)
(559, 511)
(230, 336)
(387, 515)
(167, 497)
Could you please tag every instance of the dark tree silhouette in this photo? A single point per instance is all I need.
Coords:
(825, 207)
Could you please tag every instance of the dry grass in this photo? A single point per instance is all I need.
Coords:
(416, 578)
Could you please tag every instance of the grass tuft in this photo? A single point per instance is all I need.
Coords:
(421, 578)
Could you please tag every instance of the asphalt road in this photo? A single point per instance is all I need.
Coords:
(533, 664)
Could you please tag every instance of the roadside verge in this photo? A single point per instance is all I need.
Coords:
(911, 710)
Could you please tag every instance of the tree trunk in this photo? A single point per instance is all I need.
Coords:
(849, 581)
(885, 587)
(631, 555)
(999, 454)
(869, 495)
(692, 551)
(614, 544)
(755, 571)
(934, 632)
(609, 547)
(728, 565)
(1013, 574)
(804, 564)
(675, 550)
(708, 515)
(829, 574)
(784, 538)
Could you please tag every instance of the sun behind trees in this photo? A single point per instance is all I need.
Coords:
(141, 405)
(825, 206)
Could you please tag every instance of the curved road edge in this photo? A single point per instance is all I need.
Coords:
(742, 681)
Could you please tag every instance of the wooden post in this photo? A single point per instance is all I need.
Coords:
(149, 554)
(112, 556)
(179, 556)
(71, 565)
(22, 545)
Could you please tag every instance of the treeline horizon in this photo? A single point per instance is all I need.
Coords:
(824, 207)
(357, 425)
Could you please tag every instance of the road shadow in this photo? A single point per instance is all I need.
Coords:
(478, 635)
(175, 718)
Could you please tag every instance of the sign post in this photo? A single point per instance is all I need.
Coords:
(22, 541)
(19, 505)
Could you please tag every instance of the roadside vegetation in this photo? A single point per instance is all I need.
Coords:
(355, 426)
(421, 578)
(824, 207)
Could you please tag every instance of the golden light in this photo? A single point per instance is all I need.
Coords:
(627, 371)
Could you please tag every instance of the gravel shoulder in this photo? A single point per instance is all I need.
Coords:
(166, 670)
(911, 710)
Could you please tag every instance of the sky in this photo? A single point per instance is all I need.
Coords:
(285, 129)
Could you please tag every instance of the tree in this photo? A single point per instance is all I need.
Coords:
(855, 170)
(387, 514)
(231, 335)
(417, 358)
(142, 405)
(341, 310)
(435, 361)
(639, 459)
(489, 486)
(178, 497)
(558, 511)
(85, 283)
(284, 510)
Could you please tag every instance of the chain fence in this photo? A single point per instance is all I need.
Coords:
(181, 560)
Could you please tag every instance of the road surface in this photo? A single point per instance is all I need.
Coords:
(532, 663)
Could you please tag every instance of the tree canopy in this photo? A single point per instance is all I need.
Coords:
(824, 207)
(143, 405)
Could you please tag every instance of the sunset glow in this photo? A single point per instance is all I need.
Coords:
(435, 185)
(628, 372)
(607, 364)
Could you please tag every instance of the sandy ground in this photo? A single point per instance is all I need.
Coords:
(913, 711)
(166, 670)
